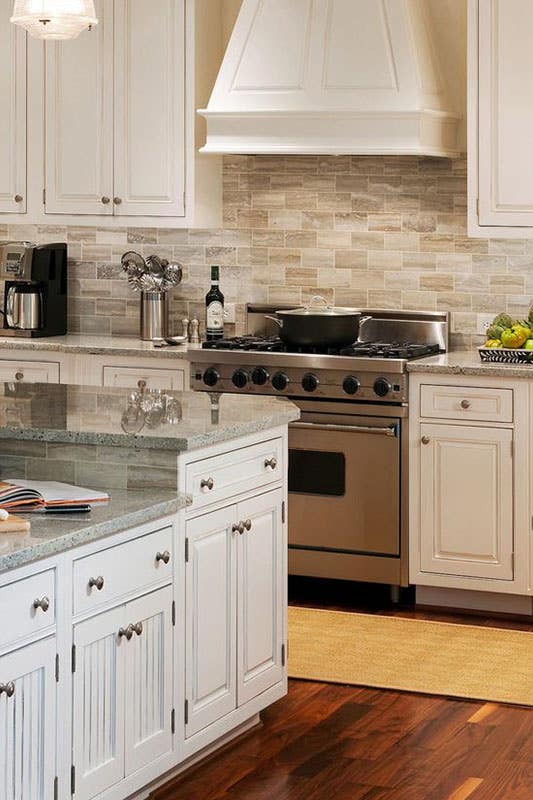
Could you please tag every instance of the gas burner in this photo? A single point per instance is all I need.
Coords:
(405, 350)
(273, 344)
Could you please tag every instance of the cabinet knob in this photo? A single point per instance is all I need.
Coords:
(117, 200)
(18, 198)
(164, 557)
(271, 462)
(207, 483)
(247, 524)
(7, 688)
(237, 527)
(19, 376)
(425, 440)
(465, 404)
(141, 384)
(98, 582)
(137, 628)
(43, 603)
(125, 632)
(106, 200)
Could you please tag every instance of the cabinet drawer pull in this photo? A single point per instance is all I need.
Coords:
(207, 483)
(247, 524)
(19, 376)
(465, 404)
(43, 603)
(164, 557)
(18, 198)
(137, 628)
(106, 200)
(127, 632)
(97, 582)
(237, 527)
(425, 440)
(7, 688)
(141, 384)
(271, 462)
(117, 200)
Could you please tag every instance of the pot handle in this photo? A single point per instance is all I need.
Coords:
(275, 319)
(316, 300)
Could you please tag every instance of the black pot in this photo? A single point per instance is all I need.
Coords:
(318, 325)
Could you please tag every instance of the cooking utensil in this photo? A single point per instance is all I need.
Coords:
(318, 324)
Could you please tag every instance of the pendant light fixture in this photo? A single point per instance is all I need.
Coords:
(54, 19)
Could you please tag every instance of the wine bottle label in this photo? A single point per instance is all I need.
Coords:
(215, 316)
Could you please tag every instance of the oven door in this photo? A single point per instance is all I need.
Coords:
(344, 484)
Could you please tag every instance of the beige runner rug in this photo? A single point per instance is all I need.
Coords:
(411, 655)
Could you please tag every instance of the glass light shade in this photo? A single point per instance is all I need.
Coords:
(54, 19)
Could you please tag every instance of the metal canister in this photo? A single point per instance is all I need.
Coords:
(154, 315)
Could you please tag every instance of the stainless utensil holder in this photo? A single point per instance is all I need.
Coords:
(154, 316)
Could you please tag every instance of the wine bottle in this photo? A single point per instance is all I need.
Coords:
(214, 302)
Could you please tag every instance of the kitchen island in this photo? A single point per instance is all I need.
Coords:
(151, 633)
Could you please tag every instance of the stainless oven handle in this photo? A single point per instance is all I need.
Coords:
(388, 431)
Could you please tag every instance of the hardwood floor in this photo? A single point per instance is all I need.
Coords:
(331, 742)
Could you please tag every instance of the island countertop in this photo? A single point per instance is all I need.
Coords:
(94, 415)
(93, 345)
(468, 362)
(50, 535)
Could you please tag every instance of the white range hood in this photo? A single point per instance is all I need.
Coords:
(332, 77)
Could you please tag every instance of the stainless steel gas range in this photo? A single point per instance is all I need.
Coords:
(348, 454)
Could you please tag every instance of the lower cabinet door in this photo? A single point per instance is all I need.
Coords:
(27, 722)
(211, 582)
(148, 679)
(466, 501)
(261, 590)
(98, 703)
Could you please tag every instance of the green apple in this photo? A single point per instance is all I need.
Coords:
(528, 344)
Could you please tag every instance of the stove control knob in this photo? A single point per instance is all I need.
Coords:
(280, 381)
(310, 382)
(259, 376)
(239, 378)
(211, 377)
(382, 387)
(351, 384)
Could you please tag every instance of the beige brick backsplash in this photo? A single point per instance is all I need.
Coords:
(362, 230)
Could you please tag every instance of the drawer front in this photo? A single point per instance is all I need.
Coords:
(113, 573)
(135, 378)
(220, 477)
(468, 403)
(28, 371)
(27, 607)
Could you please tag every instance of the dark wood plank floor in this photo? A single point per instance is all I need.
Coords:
(326, 741)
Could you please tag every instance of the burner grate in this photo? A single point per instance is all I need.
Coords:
(273, 344)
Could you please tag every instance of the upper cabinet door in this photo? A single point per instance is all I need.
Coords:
(149, 107)
(79, 120)
(261, 595)
(505, 124)
(13, 127)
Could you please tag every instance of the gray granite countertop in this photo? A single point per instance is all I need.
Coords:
(93, 345)
(103, 416)
(50, 535)
(468, 362)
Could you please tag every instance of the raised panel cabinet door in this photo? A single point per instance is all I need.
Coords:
(505, 113)
(149, 107)
(260, 595)
(149, 682)
(28, 722)
(210, 619)
(98, 702)
(13, 128)
(79, 120)
(466, 501)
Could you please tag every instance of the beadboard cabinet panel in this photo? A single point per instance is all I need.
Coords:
(79, 120)
(13, 130)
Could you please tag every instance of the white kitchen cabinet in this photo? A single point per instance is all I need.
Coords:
(13, 130)
(28, 722)
(122, 690)
(125, 377)
(29, 371)
(466, 496)
(79, 120)
(500, 117)
(234, 607)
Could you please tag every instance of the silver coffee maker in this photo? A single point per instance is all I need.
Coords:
(35, 289)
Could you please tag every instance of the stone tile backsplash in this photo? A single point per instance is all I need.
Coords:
(381, 232)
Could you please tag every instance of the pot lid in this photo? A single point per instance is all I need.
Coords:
(318, 307)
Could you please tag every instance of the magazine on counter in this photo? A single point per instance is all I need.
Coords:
(22, 495)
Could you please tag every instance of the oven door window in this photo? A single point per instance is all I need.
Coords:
(317, 472)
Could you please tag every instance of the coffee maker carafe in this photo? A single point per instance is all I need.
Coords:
(35, 289)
